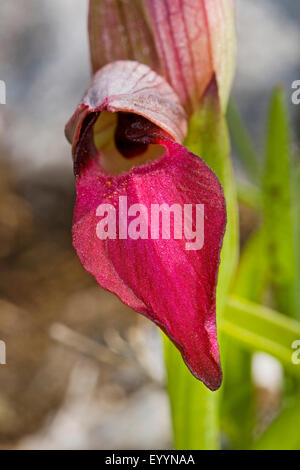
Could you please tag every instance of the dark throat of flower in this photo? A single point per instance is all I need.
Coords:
(124, 140)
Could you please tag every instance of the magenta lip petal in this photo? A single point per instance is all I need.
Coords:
(173, 287)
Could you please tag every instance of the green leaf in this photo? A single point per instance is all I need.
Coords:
(283, 433)
(259, 328)
(277, 203)
(242, 142)
(252, 275)
(280, 219)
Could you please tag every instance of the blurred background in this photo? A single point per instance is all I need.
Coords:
(83, 371)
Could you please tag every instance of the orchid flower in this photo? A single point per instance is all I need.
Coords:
(153, 61)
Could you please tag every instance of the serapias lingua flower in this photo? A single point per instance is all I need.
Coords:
(126, 136)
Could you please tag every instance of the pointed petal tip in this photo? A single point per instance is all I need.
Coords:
(208, 370)
(211, 379)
